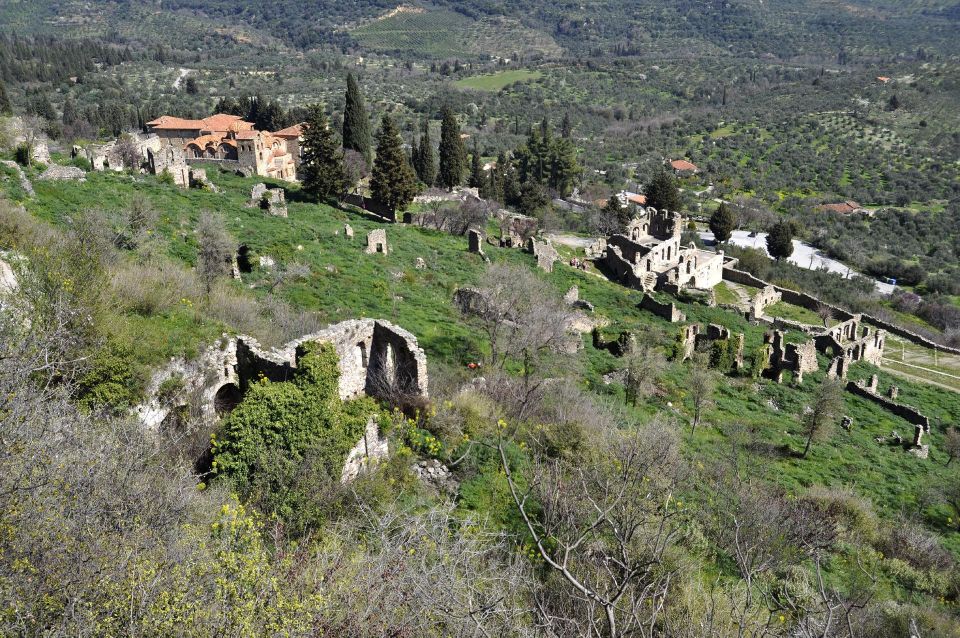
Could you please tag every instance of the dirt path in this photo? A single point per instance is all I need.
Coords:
(573, 241)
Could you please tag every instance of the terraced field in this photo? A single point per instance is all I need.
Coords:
(442, 34)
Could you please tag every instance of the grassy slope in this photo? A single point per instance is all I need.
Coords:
(346, 283)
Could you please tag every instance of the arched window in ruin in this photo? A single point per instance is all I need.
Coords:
(226, 399)
(212, 151)
(635, 234)
(361, 351)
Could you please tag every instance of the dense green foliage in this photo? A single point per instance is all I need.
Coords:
(722, 222)
(453, 154)
(321, 162)
(393, 182)
(356, 122)
(662, 193)
(780, 241)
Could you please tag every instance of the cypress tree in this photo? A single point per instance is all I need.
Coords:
(780, 241)
(70, 115)
(321, 166)
(476, 167)
(356, 124)
(452, 153)
(5, 107)
(393, 183)
(722, 223)
(566, 127)
(415, 155)
(427, 167)
(662, 192)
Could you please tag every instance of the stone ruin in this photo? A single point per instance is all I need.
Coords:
(376, 358)
(666, 311)
(272, 201)
(920, 422)
(475, 240)
(348, 231)
(766, 296)
(797, 359)
(572, 297)
(849, 342)
(695, 339)
(57, 172)
(515, 229)
(170, 160)
(199, 179)
(596, 249)
(377, 242)
(545, 253)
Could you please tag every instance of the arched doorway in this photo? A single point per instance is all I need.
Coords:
(226, 399)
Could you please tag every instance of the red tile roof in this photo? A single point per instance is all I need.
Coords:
(214, 123)
(844, 208)
(246, 135)
(637, 199)
(290, 132)
(683, 165)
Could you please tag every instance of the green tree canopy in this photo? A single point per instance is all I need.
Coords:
(662, 192)
(780, 241)
(393, 183)
(453, 156)
(356, 122)
(424, 160)
(722, 222)
(321, 167)
(5, 107)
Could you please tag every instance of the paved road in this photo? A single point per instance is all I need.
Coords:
(804, 255)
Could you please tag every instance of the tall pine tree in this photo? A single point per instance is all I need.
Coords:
(356, 123)
(321, 165)
(662, 192)
(393, 183)
(452, 154)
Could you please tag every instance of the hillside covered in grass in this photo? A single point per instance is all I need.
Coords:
(152, 307)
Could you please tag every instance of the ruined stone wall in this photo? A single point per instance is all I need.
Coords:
(666, 311)
(366, 348)
(767, 296)
(907, 413)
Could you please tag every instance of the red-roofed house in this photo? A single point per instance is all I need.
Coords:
(683, 167)
(848, 207)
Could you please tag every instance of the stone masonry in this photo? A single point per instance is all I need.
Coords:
(377, 242)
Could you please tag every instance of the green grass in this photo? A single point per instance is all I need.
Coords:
(497, 81)
(725, 295)
(347, 283)
(793, 313)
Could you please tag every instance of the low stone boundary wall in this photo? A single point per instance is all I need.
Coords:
(812, 303)
(907, 413)
(909, 336)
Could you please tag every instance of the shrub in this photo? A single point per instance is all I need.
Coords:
(110, 383)
(758, 361)
(287, 435)
(22, 154)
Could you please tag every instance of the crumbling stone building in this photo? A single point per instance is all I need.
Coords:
(376, 358)
(795, 358)
(649, 255)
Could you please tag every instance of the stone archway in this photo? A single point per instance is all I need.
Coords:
(226, 399)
